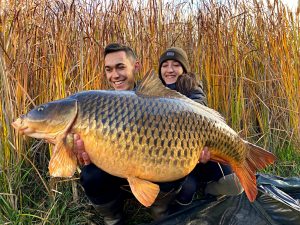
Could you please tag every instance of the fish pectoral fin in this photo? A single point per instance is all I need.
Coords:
(145, 191)
(63, 162)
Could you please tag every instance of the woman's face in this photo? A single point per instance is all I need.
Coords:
(170, 71)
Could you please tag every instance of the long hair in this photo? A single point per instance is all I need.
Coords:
(186, 83)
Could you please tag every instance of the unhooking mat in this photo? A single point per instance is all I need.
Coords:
(277, 203)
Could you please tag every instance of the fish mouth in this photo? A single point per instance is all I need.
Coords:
(19, 126)
(23, 127)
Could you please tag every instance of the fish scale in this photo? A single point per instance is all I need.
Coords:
(149, 135)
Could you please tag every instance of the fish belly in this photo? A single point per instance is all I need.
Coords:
(154, 139)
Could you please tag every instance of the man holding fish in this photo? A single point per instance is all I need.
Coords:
(151, 137)
(104, 190)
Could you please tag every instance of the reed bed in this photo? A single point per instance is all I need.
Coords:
(247, 54)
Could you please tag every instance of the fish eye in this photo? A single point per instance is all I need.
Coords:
(41, 108)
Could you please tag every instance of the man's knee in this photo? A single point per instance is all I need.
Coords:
(188, 190)
(99, 186)
(91, 175)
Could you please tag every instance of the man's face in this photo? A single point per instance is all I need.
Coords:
(120, 70)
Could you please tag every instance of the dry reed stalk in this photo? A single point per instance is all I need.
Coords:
(242, 52)
(246, 53)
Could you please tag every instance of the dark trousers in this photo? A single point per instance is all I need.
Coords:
(101, 187)
(200, 176)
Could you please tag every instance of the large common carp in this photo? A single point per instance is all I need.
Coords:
(149, 135)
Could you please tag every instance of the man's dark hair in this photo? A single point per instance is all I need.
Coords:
(116, 47)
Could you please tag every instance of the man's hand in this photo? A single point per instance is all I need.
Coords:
(205, 155)
(79, 150)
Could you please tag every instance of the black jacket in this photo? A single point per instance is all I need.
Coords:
(197, 94)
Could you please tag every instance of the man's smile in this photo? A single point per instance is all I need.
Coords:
(119, 82)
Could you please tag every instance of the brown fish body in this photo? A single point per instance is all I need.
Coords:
(152, 134)
(154, 139)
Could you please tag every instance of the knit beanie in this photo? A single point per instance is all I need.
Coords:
(177, 54)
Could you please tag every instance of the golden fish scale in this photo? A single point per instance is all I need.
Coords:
(150, 138)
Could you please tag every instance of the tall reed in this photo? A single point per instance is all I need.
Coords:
(246, 52)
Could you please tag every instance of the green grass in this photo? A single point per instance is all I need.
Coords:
(288, 161)
(27, 200)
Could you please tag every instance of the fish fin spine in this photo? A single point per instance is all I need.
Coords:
(145, 191)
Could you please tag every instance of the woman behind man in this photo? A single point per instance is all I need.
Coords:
(174, 72)
(106, 191)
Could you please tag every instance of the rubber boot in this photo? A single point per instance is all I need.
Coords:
(187, 191)
(161, 207)
(228, 185)
(112, 212)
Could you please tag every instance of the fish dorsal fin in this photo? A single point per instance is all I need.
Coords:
(145, 191)
(151, 86)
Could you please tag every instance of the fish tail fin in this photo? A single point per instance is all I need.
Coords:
(257, 158)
